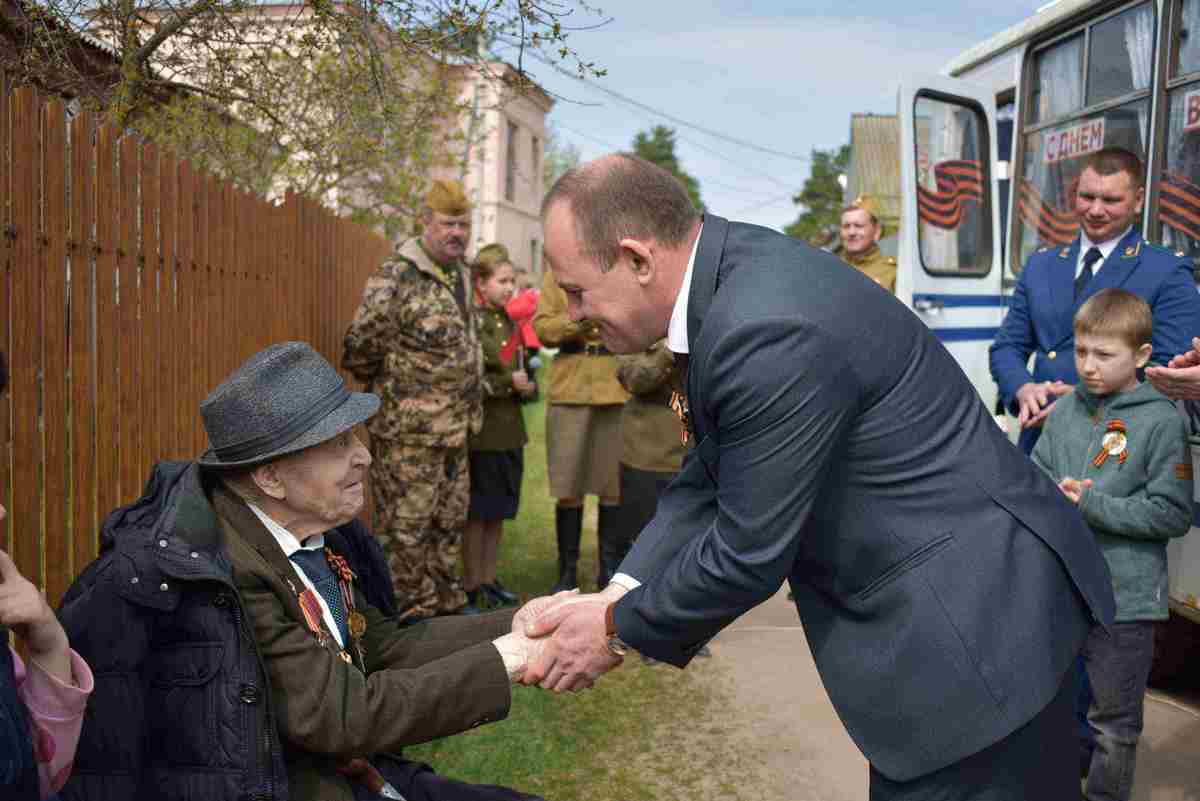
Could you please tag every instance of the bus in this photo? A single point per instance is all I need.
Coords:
(990, 150)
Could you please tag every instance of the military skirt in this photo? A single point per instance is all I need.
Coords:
(496, 484)
(583, 450)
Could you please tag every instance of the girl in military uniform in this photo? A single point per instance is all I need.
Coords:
(496, 452)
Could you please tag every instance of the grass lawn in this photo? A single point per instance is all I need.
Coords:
(638, 734)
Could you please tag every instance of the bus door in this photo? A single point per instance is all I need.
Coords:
(949, 265)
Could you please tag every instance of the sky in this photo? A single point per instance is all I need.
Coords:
(783, 76)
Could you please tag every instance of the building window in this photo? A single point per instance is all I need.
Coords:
(510, 164)
(535, 165)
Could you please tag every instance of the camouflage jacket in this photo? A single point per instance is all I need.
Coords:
(415, 344)
(651, 433)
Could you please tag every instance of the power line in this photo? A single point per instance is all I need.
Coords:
(677, 120)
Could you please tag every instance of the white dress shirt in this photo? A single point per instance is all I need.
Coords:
(288, 542)
(677, 342)
(1106, 248)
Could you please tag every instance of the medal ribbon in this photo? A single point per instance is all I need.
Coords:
(1113, 426)
(679, 405)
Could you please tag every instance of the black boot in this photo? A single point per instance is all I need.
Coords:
(568, 527)
(614, 544)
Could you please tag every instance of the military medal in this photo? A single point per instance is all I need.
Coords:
(357, 624)
(1113, 444)
(679, 405)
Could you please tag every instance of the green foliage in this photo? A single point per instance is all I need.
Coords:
(559, 157)
(658, 146)
(821, 197)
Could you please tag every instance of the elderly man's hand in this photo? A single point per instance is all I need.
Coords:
(1035, 399)
(1073, 488)
(536, 606)
(1180, 379)
(518, 651)
(577, 650)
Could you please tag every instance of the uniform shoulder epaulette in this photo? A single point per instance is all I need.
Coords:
(890, 261)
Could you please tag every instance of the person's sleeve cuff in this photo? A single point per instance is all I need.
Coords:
(627, 581)
(51, 698)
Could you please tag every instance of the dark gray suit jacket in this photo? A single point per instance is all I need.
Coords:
(944, 583)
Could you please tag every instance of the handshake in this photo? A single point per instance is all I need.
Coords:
(558, 642)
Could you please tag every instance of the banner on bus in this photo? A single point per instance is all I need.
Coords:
(1073, 141)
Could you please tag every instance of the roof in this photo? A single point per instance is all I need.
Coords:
(874, 165)
(1046, 17)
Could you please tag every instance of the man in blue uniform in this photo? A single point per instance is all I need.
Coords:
(1109, 252)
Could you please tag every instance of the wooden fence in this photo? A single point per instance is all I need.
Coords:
(132, 284)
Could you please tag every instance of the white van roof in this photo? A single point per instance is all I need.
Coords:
(1046, 17)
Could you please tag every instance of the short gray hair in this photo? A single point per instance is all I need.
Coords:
(622, 196)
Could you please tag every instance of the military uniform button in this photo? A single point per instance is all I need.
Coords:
(248, 694)
(1052, 354)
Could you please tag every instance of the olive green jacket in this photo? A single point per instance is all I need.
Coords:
(503, 424)
(405, 685)
(879, 268)
(413, 342)
(651, 433)
(575, 378)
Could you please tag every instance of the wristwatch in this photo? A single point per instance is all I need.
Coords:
(615, 643)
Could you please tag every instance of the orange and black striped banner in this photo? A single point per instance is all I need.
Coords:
(1054, 225)
(1179, 204)
(959, 181)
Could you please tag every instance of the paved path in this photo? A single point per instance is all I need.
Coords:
(809, 756)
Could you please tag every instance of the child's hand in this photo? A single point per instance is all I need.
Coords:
(23, 608)
(522, 383)
(1073, 488)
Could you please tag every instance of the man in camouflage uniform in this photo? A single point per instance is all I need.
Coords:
(413, 342)
(860, 232)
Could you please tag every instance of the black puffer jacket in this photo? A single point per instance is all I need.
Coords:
(181, 709)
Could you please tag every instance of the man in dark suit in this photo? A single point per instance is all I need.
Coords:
(1109, 252)
(944, 584)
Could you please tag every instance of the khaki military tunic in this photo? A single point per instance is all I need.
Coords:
(414, 343)
(651, 433)
(583, 416)
(503, 424)
(878, 267)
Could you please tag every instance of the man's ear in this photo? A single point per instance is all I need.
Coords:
(640, 257)
(266, 477)
(1142, 355)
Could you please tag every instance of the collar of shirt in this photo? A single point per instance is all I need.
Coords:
(677, 338)
(1106, 248)
(289, 545)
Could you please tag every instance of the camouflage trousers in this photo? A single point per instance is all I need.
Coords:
(421, 496)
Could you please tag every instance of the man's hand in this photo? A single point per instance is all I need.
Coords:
(1073, 488)
(536, 606)
(23, 608)
(1180, 379)
(577, 654)
(1035, 399)
(518, 651)
(522, 384)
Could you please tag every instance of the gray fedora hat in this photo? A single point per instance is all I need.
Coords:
(282, 400)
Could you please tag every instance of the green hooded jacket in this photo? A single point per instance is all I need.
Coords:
(1135, 503)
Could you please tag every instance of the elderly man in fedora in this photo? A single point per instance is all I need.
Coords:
(235, 655)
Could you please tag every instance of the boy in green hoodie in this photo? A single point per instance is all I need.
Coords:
(1118, 450)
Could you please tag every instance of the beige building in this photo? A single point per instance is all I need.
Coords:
(505, 129)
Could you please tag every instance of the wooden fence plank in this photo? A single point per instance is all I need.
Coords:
(26, 355)
(84, 523)
(168, 307)
(55, 419)
(185, 291)
(218, 330)
(151, 385)
(128, 420)
(201, 319)
(108, 468)
(7, 256)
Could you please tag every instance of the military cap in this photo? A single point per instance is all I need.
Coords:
(870, 205)
(447, 197)
(491, 255)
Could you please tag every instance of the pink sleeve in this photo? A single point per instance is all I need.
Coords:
(56, 714)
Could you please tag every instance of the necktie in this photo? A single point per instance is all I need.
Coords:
(1085, 275)
(313, 563)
